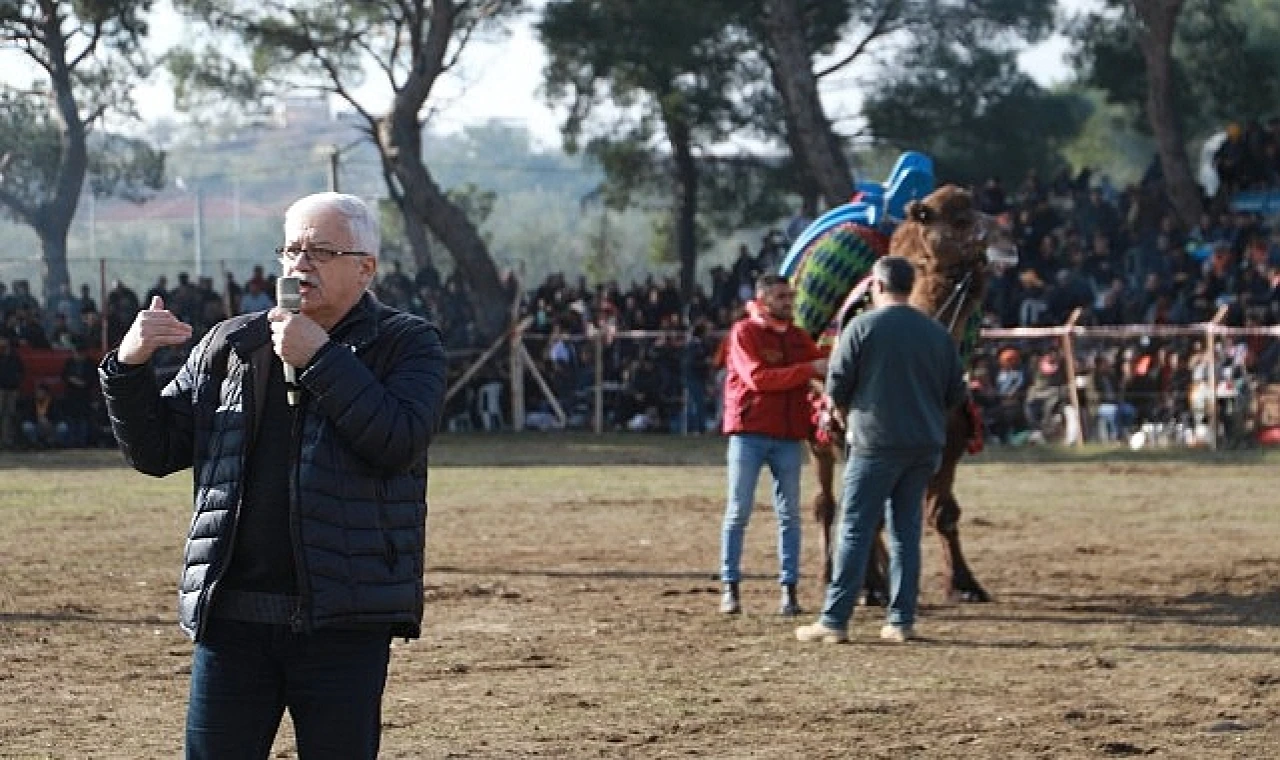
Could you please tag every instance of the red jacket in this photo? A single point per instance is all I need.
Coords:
(767, 380)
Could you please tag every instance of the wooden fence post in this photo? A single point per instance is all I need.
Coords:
(1211, 346)
(1069, 355)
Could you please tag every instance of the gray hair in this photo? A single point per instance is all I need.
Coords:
(896, 273)
(361, 221)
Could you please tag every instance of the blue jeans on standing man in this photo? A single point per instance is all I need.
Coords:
(870, 480)
(748, 453)
(244, 675)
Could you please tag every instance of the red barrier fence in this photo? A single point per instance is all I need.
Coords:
(45, 365)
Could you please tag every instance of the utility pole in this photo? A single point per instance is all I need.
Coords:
(334, 154)
(93, 225)
(235, 205)
(199, 229)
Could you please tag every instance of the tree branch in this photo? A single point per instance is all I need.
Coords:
(429, 53)
(94, 115)
(89, 47)
(882, 26)
(32, 51)
(393, 57)
(463, 38)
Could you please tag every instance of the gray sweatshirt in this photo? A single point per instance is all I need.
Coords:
(897, 373)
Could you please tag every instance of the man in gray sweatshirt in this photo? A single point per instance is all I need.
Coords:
(894, 376)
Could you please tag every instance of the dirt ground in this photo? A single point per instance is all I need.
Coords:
(572, 614)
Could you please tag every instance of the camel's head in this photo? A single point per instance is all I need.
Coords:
(957, 234)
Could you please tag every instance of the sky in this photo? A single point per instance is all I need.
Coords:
(501, 80)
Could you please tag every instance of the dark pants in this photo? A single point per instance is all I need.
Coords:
(244, 675)
(695, 405)
(889, 485)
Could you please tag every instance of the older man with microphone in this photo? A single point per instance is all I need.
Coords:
(307, 428)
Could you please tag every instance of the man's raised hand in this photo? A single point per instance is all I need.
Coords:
(153, 329)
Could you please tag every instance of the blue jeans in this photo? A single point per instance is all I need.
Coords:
(871, 480)
(244, 675)
(748, 453)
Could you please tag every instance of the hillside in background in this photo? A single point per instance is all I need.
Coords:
(242, 177)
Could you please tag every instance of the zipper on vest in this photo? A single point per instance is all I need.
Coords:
(298, 621)
(205, 606)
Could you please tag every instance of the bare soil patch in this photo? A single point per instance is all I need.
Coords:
(571, 613)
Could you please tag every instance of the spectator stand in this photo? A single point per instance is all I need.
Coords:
(520, 361)
(1212, 333)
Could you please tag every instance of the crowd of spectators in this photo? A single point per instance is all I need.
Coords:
(1248, 157)
(1119, 255)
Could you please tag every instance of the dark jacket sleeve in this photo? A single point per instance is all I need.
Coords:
(389, 424)
(155, 429)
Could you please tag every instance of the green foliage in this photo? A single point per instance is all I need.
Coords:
(976, 113)
(204, 78)
(31, 137)
(667, 59)
(649, 82)
(88, 56)
(741, 192)
(1108, 141)
(1225, 60)
(954, 89)
(125, 167)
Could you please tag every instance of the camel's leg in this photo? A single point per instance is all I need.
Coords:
(824, 504)
(876, 583)
(942, 511)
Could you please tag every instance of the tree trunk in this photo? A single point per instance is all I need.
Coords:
(1159, 19)
(686, 203)
(401, 143)
(53, 263)
(415, 231)
(819, 148)
(55, 214)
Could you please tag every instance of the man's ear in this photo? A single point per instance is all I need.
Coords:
(368, 268)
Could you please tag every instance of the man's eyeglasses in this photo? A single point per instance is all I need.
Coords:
(316, 255)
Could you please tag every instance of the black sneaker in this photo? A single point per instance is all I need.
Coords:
(790, 604)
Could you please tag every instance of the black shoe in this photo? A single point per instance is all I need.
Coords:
(790, 604)
(729, 602)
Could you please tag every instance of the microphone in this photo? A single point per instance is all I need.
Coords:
(289, 296)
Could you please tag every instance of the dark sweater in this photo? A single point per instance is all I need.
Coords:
(262, 556)
(897, 373)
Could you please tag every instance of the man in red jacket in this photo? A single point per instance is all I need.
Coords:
(769, 363)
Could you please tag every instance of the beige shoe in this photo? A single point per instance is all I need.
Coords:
(819, 632)
(897, 633)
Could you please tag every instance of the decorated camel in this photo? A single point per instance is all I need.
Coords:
(953, 247)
